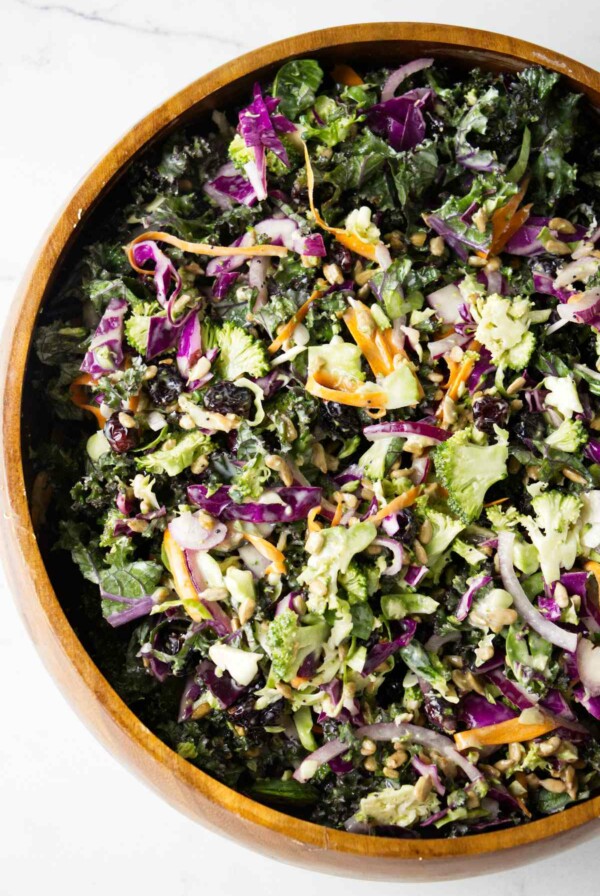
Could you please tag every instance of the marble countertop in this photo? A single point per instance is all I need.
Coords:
(74, 75)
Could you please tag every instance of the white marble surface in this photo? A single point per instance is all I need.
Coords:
(74, 75)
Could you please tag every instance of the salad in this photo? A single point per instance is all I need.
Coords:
(325, 401)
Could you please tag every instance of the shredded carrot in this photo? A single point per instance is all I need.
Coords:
(77, 395)
(508, 732)
(287, 329)
(201, 248)
(497, 501)
(311, 523)
(182, 580)
(377, 415)
(269, 551)
(337, 516)
(452, 368)
(349, 240)
(399, 503)
(506, 220)
(297, 681)
(461, 374)
(358, 398)
(345, 74)
(365, 333)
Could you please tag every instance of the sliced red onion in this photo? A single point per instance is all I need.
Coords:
(382, 256)
(585, 309)
(430, 770)
(309, 766)
(406, 428)
(191, 535)
(466, 601)
(414, 574)
(390, 524)
(588, 666)
(286, 232)
(257, 278)
(401, 74)
(446, 303)
(420, 469)
(440, 347)
(435, 643)
(425, 738)
(396, 548)
(534, 619)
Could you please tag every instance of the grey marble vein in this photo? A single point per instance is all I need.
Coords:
(154, 30)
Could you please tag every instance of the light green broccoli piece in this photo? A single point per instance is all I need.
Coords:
(445, 529)
(503, 328)
(554, 531)
(355, 583)
(239, 353)
(341, 361)
(340, 545)
(289, 643)
(239, 153)
(377, 460)
(570, 436)
(137, 326)
(467, 470)
(173, 461)
(562, 395)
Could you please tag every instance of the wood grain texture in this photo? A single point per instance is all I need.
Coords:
(183, 785)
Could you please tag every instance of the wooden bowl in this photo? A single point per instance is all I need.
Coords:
(184, 786)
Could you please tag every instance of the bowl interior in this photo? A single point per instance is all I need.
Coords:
(361, 46)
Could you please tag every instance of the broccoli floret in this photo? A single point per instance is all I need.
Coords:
(503, 328)
(467, 470)
(240, 155)
(339, 547)
(239, 353)
(554, 531)
(173, 461)
(136, 329)
(250, 481)
(355, 583)
(562, 395)
(289, 643)
(380, 456)
(445, 529)
(570, 436)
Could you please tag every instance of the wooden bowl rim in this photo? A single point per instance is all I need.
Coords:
(25, 564)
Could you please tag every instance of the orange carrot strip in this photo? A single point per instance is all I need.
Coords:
(297, 681)
(349, 240)
(502, 229)
(201, 248)
(460, 375)
(78, 397)
(345, 74)
(287, 329)
(497, 501)
(365, 333)
(269, 551)
(182, 580)
(399, 503)
(508, 732)
(356, 398)
(311, 523)
(338, 514)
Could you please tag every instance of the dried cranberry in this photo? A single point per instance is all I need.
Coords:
(339, 420)
(342, 257)
(489, 411)
(227, 398)
(407, 523)
(120, 438)
(166, 386)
